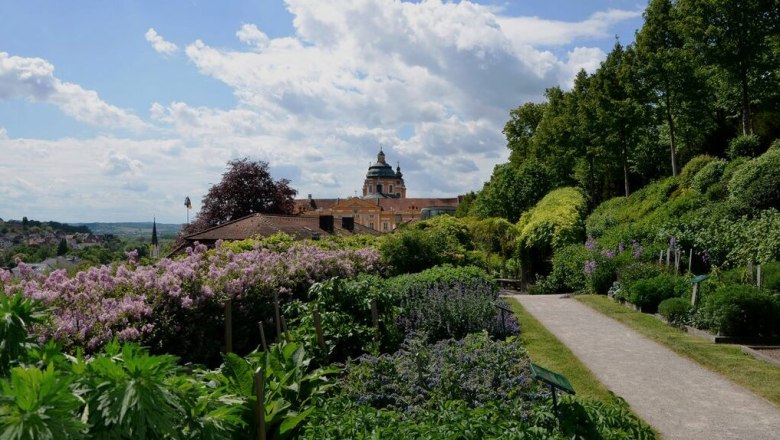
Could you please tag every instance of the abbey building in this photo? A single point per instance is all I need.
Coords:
(383, 205)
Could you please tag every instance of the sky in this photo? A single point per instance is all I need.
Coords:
(116, 111)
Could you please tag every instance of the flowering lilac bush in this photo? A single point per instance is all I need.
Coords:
(177, 305)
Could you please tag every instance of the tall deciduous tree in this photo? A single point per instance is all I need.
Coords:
(520, 129)
(246, 187)
(739, 38)
(671, 72)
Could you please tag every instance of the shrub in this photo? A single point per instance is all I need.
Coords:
(675, 310)
(755, 184)
(346, 319)
(739, 310)
(567, 273)
(746, 145)
(448, 302)
(709, 176)
(770, 277)
(775, 145)
(475, 369)
(635, 271)
(648, 293)
(556, 221)
(442, 239)
(692, 168)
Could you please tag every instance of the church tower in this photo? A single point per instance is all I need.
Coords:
(382, 182)
(154, 251)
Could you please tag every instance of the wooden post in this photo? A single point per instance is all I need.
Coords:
(260, 403)
(668, 254)
(262, 336)
(690, 260)
(695, 295)
(677, 258)
(318, 329)
(375, 318)
(758, 276)
(277, 316)
(750, 272)
(228, 326)
(284, 328)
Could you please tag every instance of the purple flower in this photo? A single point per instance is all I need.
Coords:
(590, 244)
(607, 253)
(636, 249)
(590, 267)
(620, 247)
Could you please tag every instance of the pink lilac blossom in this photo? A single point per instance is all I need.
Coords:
(95, 305)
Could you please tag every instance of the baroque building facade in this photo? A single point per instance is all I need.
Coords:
(383, 205)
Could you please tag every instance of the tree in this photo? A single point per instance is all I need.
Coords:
(62, 249)
(739, 39)
(520, 129)
(246, 187)
(512, 190)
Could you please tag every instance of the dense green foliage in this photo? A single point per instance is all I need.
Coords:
(740, 310)
(755, 184)
(675, 310)
(648, 293)
(441, 240)
(692, 168)
(556, 221)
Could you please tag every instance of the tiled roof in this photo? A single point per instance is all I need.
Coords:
(385, 203)
(262, 224)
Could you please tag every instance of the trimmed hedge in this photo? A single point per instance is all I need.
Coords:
(756, 185)
(692, 168)
(746, 145)
(557, 220)
(740, 310)
(675, 310)
(648, 293)
(708, 176)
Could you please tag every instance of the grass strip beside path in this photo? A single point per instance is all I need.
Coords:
(547, 351)
(758, 376)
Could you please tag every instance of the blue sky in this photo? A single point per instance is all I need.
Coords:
(115, 111)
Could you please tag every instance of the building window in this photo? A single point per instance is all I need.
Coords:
(384, 226)
(371, 225)
(391, 189)
(379, 188)
(370, 188)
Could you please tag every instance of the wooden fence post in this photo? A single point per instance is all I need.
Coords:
(284, 328)
(375, 318)
(228, 326)
(260, 403)
(277, 316)
(262, 336)
(318, 329)
(690, 260)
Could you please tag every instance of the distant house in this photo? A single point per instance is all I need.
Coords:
(265, 225)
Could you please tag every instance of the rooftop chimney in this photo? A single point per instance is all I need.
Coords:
(326, 223)
(348, 223)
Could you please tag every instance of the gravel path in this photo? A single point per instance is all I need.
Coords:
(679, 398)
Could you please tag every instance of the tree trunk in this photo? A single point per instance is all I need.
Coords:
(670, 121)
(625, 172)
(746, 126)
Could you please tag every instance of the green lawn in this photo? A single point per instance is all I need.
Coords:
(546, 350)
(728, 360)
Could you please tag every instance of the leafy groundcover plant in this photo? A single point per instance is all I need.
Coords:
(474, 388)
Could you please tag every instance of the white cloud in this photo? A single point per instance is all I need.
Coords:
(33, 78)
(250, 34)
(431, 81)
(3, 133)
(117, 164)
(159, 43)
(543, 32)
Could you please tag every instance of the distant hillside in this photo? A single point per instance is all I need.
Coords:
(139, 229)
